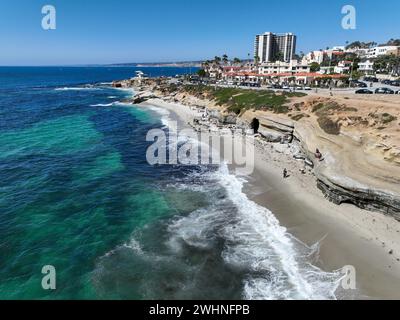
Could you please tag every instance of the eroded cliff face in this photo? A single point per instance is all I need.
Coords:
(360, 163)
(359, 138)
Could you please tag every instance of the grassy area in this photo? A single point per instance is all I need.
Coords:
(324, 111)
(328, 125)
(238, 100)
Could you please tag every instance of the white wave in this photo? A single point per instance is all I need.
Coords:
(278, 265)
(103, 105)
(164, 113)
(76, 88)
(112, 97)
(131, 91)
(135, 246)
(264, 245)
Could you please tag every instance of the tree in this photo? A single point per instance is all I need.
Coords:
(237, 61)
(206, 64)
(279, 57)
(393, 42)
(225, 59)
(360, 45)
(314, 67)
(202, 73)
(388, 64)
(217, 60)
(256, 59)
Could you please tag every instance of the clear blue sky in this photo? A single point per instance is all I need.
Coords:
(114, 31)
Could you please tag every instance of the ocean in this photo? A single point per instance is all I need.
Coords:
(77, 193)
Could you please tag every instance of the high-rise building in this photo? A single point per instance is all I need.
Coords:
(270, 47)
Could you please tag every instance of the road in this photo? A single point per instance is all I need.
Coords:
(318, 91)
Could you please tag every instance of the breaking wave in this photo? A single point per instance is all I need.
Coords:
(75, 88)
(277, 266)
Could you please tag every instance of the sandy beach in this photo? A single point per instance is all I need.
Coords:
(369, 241)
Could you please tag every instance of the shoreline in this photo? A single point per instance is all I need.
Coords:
(348, 234)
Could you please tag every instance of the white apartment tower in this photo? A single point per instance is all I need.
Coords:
(269, 47)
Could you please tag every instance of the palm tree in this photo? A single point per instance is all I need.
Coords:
(225, 59)
(237, 61)
(330, 60)
(217, 60)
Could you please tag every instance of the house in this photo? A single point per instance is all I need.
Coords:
(383, 51)
(366, 67)
(343, 67)
(292, 67)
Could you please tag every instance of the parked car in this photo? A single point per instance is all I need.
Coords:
(387, 82)
(384, 91)
(358, 84)
(371, 79)
(307, 88)
(395, 83)
(285, 87)
(364, 91)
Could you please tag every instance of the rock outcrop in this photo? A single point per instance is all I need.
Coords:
(341, 191)
(143, 97)
(342, 175)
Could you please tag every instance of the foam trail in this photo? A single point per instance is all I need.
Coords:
(103, 104)
(277, 266)
(76, 88)
(265, 246)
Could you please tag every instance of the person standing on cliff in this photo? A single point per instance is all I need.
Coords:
(255, 125)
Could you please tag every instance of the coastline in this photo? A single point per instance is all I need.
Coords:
(348, 234)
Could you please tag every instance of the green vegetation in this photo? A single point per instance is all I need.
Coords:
(314, 67)
(393, 42)
(201, 73)
(328, 125)
(361, 45)
(387, 118)
(317, 107)
(298, 117)
(383, 118)
(324, 111)
(238, 100)
(387, 64)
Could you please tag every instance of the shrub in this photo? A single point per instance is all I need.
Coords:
(317, 107)
(387, 118)
(329, 126)
(298, 117)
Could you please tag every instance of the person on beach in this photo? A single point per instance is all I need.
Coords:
(255, 125)
(285, 173)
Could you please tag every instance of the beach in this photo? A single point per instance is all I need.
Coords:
(347, 235)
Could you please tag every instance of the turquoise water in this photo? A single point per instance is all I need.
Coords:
(77, 193)
(74, 181)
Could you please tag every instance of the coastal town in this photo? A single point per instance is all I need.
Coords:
(313, 126)
(277, 66)
(180, 155)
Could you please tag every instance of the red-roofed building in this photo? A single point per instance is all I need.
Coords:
(299, 78)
